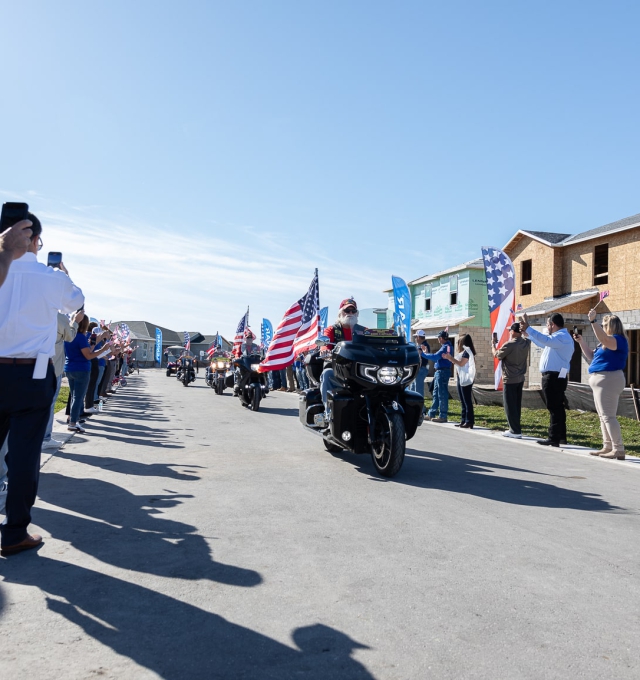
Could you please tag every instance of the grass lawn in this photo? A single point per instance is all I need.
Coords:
(61, 401)
(583, 429)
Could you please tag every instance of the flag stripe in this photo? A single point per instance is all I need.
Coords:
(296, 332)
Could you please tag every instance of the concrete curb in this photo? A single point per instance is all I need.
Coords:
(632, 462)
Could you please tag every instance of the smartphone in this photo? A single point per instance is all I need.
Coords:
(54, 260)
(575, 330)
(495, 338)
(12, 213)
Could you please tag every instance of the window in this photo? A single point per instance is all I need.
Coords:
(427, 297)
(601, 264)
(525, 277)
(453, 289)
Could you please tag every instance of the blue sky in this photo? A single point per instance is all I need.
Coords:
(193, 158)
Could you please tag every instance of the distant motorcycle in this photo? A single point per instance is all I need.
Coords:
(186, 373)
(251, 386)
(372, 411)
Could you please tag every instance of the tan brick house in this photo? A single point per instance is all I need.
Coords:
(566, 272)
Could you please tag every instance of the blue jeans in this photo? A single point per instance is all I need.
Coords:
(49, 430)
(78, 383)
(302, 378)
(440, 395)
(327, 382)
(100, 373)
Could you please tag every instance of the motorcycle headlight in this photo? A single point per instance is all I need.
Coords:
(222, 364)
(388, 375)
(255, 367)
(367, 372)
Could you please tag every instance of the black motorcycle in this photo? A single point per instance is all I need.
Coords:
(186, 372)
(251, 386)
(372, 411)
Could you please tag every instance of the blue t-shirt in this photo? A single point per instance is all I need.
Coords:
(610, 359)
(73, 351)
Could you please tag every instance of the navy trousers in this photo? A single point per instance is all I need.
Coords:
(25, 405)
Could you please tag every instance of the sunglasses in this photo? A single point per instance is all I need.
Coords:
(350, 310)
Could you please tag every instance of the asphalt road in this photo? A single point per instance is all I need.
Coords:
(186, 537)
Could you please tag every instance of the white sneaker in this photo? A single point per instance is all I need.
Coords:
(93, 409)
(51, 444)
(76, 428)
(512, 435)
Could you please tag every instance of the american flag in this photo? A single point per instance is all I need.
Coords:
(500, 276)
(239, 337)
(216, 344)
(187, 341)
(603, 294)
(297, 331)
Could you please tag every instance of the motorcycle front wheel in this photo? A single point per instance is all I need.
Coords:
(255, 398)
(331, 448)
(387, 451)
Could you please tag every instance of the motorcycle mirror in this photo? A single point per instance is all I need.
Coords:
(323, 340)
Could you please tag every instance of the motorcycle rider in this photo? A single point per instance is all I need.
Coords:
(343, 329)
(247, 348)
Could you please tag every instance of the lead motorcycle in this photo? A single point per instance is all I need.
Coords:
(252, 385)
(372, 411)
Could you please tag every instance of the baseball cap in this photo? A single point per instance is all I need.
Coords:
(515, 327)
(443, 334)
(420, 333)
(349, 302)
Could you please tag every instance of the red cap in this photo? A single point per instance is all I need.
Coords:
(348, 303)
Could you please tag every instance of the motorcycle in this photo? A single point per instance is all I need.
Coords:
(251, 386)
(216, 374)
(186, 373)
(372, 411)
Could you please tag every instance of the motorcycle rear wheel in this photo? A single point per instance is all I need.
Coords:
(388, 452)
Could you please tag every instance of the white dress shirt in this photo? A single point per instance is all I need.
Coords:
(558, 349)
(30, 300)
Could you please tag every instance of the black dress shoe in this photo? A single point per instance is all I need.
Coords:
(548, 442)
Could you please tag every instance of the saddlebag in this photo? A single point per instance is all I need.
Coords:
(413, 403)
(310, 404)
(228, 379)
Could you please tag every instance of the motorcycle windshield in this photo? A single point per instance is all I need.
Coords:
(378, 336)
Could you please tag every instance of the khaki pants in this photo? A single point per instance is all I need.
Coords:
(607, 388)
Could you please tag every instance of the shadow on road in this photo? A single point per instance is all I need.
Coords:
(177, 640)
(478, 478)
(174, 639)
(131, 467)
(279, 411)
